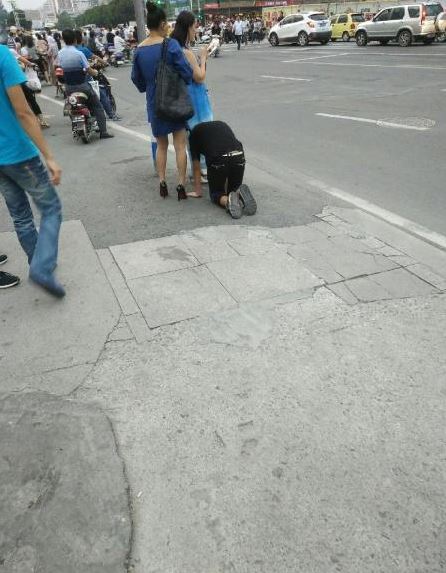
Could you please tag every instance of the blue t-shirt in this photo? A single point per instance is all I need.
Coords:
(74, 65)
(86, 51)
(15, 144)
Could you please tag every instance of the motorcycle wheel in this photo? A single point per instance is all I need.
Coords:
(85, 135)
(112, 102)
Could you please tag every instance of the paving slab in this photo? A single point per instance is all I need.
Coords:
(298, 234)
(398, 283)
(54, 334)
(146, 258)
(179, 295)
(257, 277)
(428, 275)
(208, 249)
(63, 506)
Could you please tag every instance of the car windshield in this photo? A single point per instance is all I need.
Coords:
(433, 9)
(317, 17)
(358, 18)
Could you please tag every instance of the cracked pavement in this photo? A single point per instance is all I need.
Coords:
(252, 399)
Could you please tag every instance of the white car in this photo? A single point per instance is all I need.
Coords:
(301, 29)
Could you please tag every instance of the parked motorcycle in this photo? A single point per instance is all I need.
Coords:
(83, 123)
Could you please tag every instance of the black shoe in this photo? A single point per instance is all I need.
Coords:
(7, 280)
(181, 193)
(248, 201)
(106, 135)
(234, 205)
(164, 192)
(3, 259)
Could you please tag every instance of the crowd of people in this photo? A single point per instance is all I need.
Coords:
(216, 155)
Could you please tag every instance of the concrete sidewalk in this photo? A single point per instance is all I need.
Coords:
(276, 395)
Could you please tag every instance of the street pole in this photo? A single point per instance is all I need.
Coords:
(140, 17)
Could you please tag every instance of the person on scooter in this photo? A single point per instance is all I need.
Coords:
(76, 67)
(225, 161)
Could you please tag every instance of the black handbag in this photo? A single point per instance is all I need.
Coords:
(172, 100)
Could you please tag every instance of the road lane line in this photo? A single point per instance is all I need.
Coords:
(379, 122)
(112, 124)
(315, 58)
(401, 66)
(112, 79)
(283, 78)
(432, 237)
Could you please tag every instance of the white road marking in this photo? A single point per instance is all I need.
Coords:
(407, 225)
(378, 122)
(315, 58)
(112, 79)
(402, 66)
(283, 78)
(112, 124)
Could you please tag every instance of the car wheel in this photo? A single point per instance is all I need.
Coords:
(274, 40)
(404, 38)
(333, 39)
(302, 39)
(346, 37)
(361, 39)
(384, 42)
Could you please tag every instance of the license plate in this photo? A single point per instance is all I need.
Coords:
(322, 24)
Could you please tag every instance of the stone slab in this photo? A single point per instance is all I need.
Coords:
(117, 282)
(257, 243)
(320, 266)
(259, 277)
(207, 249)
(298, 234)
(39, 333)
(146, 258)
(428, 275)
(398, 283)
(63, 502)
(342, 291)
(180, 295)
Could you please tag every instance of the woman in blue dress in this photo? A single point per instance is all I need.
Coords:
(145, 66)
(185, 32)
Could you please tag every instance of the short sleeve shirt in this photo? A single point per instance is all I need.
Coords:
(74, 65)
(15, 144)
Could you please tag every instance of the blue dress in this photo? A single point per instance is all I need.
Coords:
(145, 66)
(201, 104)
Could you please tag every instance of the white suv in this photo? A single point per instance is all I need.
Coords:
(404, 23)
(301, 29)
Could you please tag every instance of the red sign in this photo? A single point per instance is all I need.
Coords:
(215, 6)
(272, 3)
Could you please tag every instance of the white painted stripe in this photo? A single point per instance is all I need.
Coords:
(407, 225)
(112, 79)
(283, 78)
(315, 58)
(113, 125)
(374, 121)
(396, 66)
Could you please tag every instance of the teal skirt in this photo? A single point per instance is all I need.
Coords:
(201, 104)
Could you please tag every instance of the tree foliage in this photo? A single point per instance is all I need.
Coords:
(117, 12)
(64, 21)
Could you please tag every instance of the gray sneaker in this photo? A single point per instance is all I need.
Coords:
(234, 205)
(248, 201)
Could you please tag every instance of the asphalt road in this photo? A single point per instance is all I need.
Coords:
(297, 158)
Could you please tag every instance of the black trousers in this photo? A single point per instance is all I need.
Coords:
(31, 99)
(225, 174)
(239, 41)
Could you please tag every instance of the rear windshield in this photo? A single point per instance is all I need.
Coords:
(358, 18)
(433, 9)
(317, 17)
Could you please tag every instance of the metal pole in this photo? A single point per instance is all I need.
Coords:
(140, 17)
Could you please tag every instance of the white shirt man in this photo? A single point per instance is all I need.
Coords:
(119, 43)
(238, 28)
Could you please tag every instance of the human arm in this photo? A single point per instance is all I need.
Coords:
(179, 62)
(30, 124)
(199, 71)
(137, 77)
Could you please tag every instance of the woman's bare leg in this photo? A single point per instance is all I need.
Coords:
(162, 143)
(179, 142)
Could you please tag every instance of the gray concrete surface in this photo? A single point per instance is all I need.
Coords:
(292, 430)
(64, 505)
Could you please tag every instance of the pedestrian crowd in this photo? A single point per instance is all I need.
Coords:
(173, 78)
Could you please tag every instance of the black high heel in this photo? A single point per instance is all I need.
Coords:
(164, 192)
(181, 193)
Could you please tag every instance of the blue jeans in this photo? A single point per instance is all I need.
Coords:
(105, 101)
(17, 181)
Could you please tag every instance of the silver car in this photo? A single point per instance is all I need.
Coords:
(405, 24)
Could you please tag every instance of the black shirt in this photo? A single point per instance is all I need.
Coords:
(213, 139)
(110, 37)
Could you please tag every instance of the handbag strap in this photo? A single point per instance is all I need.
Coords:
(164, 50)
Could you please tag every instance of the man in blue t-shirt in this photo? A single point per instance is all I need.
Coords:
(22, 173)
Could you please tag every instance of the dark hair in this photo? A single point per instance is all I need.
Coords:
(38, 36)
(29, 41)
(78, 36)
(184, 21)
(68, 37)
(155, 15)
